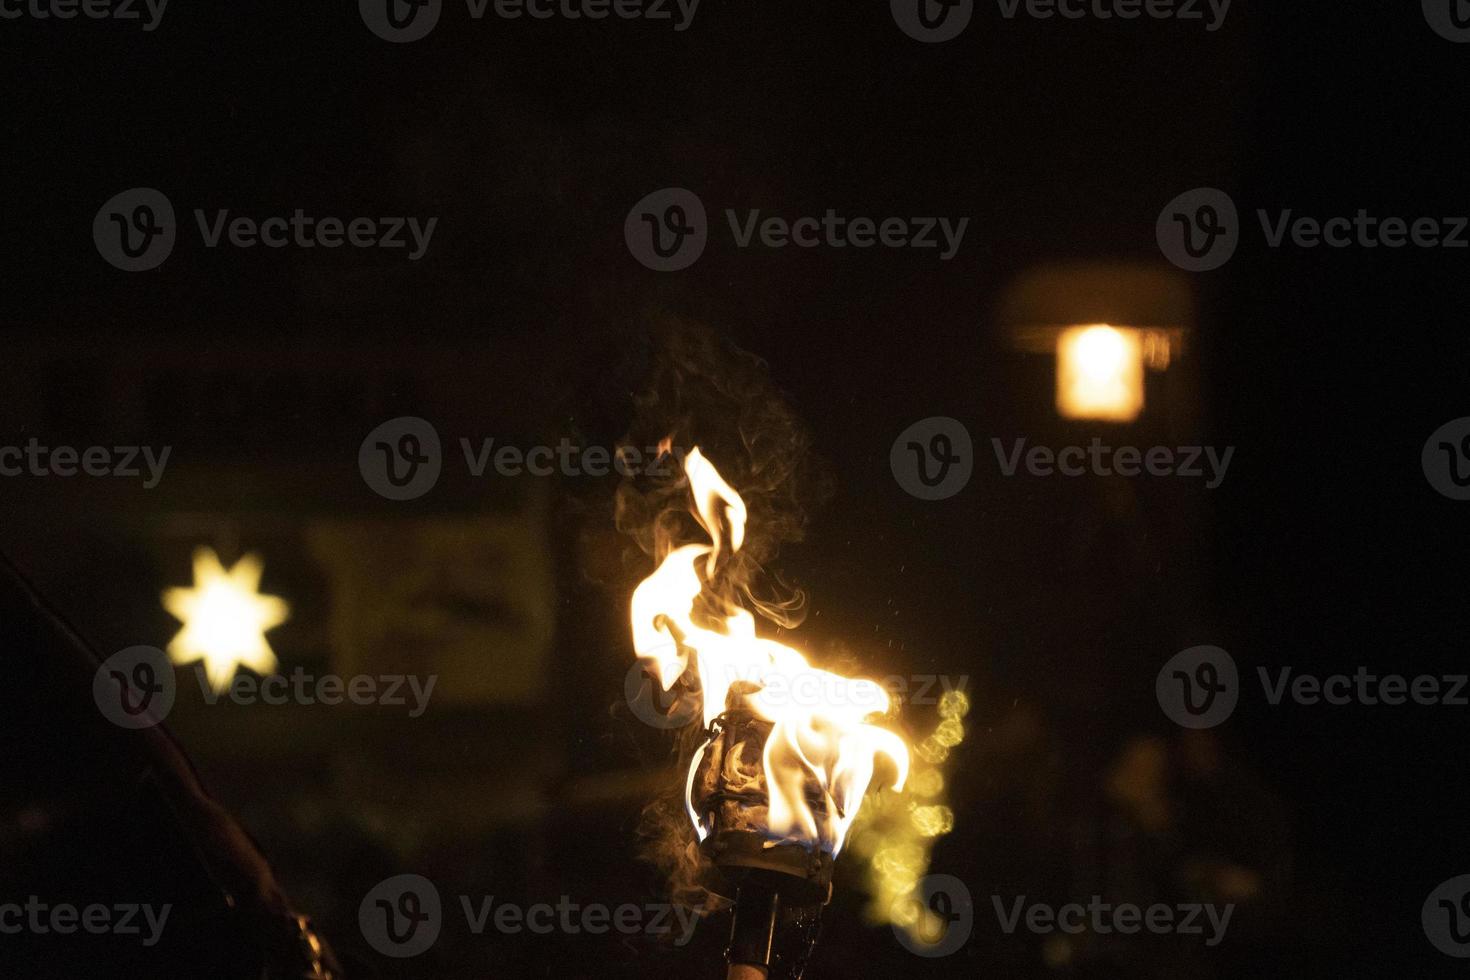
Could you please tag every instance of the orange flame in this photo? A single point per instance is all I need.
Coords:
(820, 735)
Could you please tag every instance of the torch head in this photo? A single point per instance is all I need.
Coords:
(732, 799)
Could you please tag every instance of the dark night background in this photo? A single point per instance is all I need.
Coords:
(1324, 549)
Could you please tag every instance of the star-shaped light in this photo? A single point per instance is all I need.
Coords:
(225, 618)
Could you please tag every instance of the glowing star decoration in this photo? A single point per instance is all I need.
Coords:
(225, 618)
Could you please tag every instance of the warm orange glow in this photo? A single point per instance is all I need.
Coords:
(225, 618)
(821, 731)
(898, 834)
(1100, 373)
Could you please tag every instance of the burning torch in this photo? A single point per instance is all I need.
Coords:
(789, 750)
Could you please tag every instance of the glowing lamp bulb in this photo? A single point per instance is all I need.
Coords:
(1100, 373)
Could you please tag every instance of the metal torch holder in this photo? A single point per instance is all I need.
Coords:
(769, 881)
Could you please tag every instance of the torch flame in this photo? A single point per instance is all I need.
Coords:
(820, 737)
